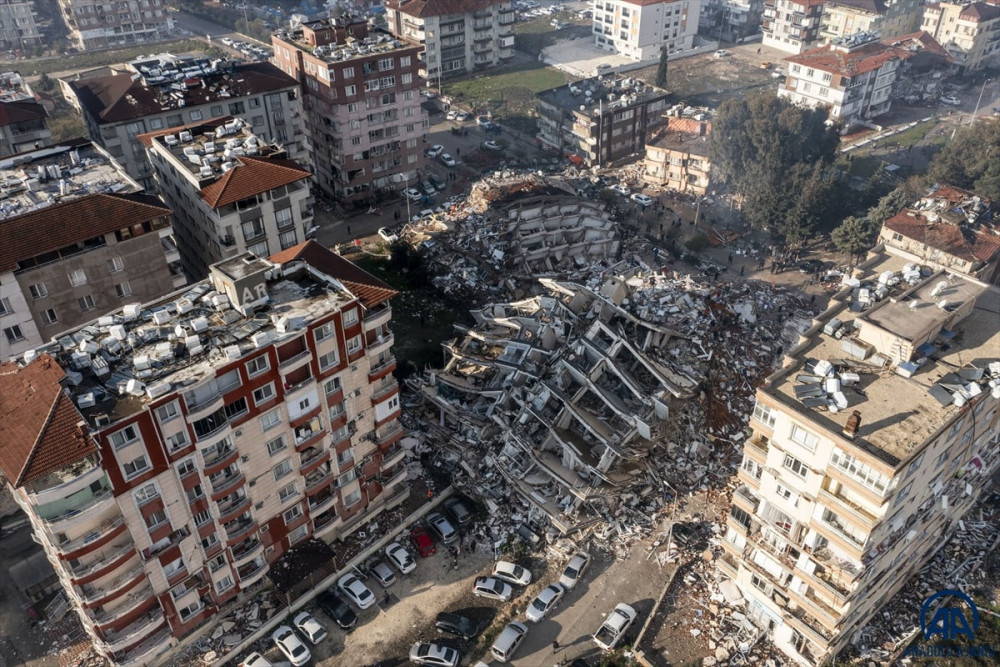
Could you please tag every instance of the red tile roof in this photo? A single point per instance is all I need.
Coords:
(920, 42)
(38, 422)
(19, 111)
(367, 288)
(424, 8)
(944, 225)
(979, 12)
(250, 176)
(60, 225)
(859, 60)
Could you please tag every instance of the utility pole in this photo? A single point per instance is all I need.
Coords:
(978, 102)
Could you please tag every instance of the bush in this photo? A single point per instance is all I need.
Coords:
(697, 243)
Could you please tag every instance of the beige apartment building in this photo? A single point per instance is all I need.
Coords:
(867, 447)
(677, 157)
(969, 31)
(95, 24)
(791, 25)
(18, 28)
(231, 191)
(78, 238)
(163, 477)
(843, 18)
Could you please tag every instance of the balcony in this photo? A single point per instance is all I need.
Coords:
(250, 574)
(727, 564)
(240, 529)
(395, 480)
(226, 485)
(756, 447)
(318, 479)
(122, 582)
(376, 317)
(173, 539)
(308, 434)
(230, 507)
(294, 362)
(326, 522)
(321, 503)
(393, 456)
(745, 498)
(809, 627)
(143, 651)
(221, 460)
(383, 390)
(87, 510)
(381, 344)
(246, 550)
(388, 433)
(68, 481)
(122, 639)
(311, 458)
(856, 512)
(97, 537)
(112, 559)
(142, 596)
(208, 406)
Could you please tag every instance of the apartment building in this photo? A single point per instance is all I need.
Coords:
(95, 24)
(163, 477)
(853, 77)
(730, 20)
(597, 120)
(17, 25)
(23, 120)
(948, 228)
(78, 238)
(457, 36)
(970, 32)
(677, 156)
(166, 91)
(361, 94)
(843, 18)
(230, 190)
(638, 29)
(791, 25)
(867, 448)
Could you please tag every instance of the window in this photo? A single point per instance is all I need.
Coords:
(941, 459)
(804, 438)
(861, 472)
(258, 365)
(332, 386)
(354, 344)
(86, 303)
(282, 469)
(763, 414)
(13, 333)
(224, 584)
(253, 229)
(157, 123)
(146, 493)
(284, 217)
(194, 114)
(286, 492)
(303, 405)
(345, 457)
(210, 541)
(263, 394)
(795, 465)
(759, 583)
(123, 290)
(136, 466)
(115, 265)
(328, 360)
(5, 308)
(125, 436)
(325, 331)
(236, 408)
(202, 517)
(38, 291)
(792, 498)
(167, 412)
(194, 493)
(292, 514)
(77, 277)
(915, 465)
(185, 467)
(49, 316)
(352, 498)
(177, 441)
(287, 239)
(351, 90)
(276, 445)
(904, 492)
(216, 110)
(346, 478)
(259, 249)
(350, 317)
(156, 518)
(270, 420)
(349, 73)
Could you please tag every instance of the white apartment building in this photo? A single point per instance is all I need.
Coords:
(638, 29)
(163, 477)
(853, 77)
(730, 19)
(842, 18)
(791, 25)
(96, 24)
(457, 37)
(867, 447)
(231, 191)
(17, 25)
(969, 31)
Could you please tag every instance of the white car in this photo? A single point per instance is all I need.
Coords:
(447, 160)
(574, 570)
(545, 602)
(511, 573)
(951, 99)
(310, 627)
(228, 41)
(359, 594)
(621, 189)
(255, 660)
(434, 150)
(400, 557)
(642, 200)
(615, 626)
(491, 146)
(722, 53)
(429, 94)
(413, 194)
(463, 116)
(493, 589)
(289, 644)
(451, 115)
(424, 653)
(387, 235)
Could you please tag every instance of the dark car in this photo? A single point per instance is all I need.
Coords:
(458, 510)
(456, 624)
(337, 609)
(437, 181)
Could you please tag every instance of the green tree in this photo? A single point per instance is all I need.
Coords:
(45, 83)
(854, 236)
(971, 160)
(888, 206)
(661, 71)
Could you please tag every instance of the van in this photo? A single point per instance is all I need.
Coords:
(506, 644)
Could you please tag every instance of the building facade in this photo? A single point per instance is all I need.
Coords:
(969, 31)
(167, 91)
(94, 24)
(638, 29)
(600, 119)
(159, 504)
(791, 25)
(17, 25)
(75, 243)
(677, 156)
(361, 95)
(23, 125)
(231, 192)
(457, 37)
(843, 18)
(730, 19)
(844, 495)
(853, 77)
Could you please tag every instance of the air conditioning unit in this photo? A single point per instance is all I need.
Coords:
(354, 368)
(357, 392)
(245, 458)
(269, 550)
(238, 432)
(252, 482)
(259, 506)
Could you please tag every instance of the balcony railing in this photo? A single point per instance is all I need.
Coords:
(229, 482)
(319, 503)
(387, 433)
(245, 550)
(116, 641)
(240, 529)
(228, 452)
(138, 653)
(132, 601)
(293, 362)
(93, 536)
(317, 479)
(383, 365)
(107, 560)
(231, 506)
(77, 511)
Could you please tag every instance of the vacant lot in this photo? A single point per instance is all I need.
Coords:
(530, 37)
(75, 61)
(708, 81)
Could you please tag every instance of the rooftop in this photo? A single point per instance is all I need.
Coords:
(170, 82)
(870, 6)
(422, 8)
(14, 88)
(850, 56)
(117, 364)
(600, 94)
(902, 404)
(921, 42)
(339, 40)
(47, 176)
(685, 135)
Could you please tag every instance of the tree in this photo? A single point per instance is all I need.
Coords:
(971, 160)
(854, 236)
(45, 83)
(661, 71)
(888, 206)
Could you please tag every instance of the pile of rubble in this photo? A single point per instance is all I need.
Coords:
(232, 626)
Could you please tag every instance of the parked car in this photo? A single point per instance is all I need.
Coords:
(425, 653)
(458, 511)
(439, 183)
(482, 120)
(382, 573)
(463, 116)
(228, 42)
(400, 557)
(428, 94)
(574, 570)
(511, 573)
(545, 602)
(621, 189)
(493, 589)
(422, 542)
(510, 638)
(615, 626)
(291, 646)
(353, 588)
(255, 659)
(490, 146)
(428, 188)
(642, 200)
(722, 53)
(434, 151)
(451, 115)
(952, 100)
(337, 609)
(447, 160)
(312, 629)
(441, 527)
(413, 194)
(456, 624)
(387, 235)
